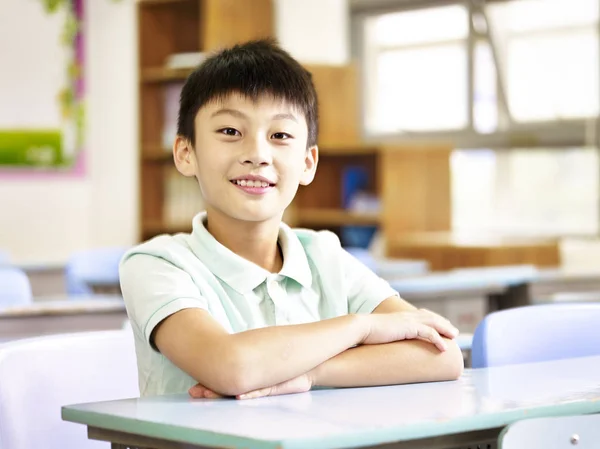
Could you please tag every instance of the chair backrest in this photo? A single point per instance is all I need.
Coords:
(40, 375)
(536, 334)
(90, 266)
(15, 289)
(563, 432)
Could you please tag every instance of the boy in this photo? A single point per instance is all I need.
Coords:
(244, 306)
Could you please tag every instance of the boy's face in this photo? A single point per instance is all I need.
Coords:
(250, 157)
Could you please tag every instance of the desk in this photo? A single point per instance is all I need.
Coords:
(46, 279)
(471, 410)
(55, 315)
(541, 286)
(464, 300)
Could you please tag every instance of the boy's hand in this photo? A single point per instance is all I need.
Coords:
(418, 324)
(299, 384)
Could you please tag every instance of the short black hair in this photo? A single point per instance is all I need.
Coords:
(253, 69)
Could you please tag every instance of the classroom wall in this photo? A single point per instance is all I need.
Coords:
(43, 220)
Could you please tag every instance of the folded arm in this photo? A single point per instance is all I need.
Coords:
(232, 364)
(400, 362)
(394, 363)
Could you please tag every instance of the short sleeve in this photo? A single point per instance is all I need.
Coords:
(153, 289)
(365, 290)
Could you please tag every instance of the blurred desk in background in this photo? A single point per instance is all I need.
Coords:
(465, 295)
(61, 314)
(464, 300)
(447, 250)
(554, 285)
(45, 279)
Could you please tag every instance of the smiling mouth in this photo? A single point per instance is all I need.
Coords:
(252, 183)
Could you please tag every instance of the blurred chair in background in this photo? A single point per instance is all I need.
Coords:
(536, 334)
(562, 432)
(94, 271)
(15, 289)
(40, 375)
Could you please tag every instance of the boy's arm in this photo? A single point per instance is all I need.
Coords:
(233, 364)
(394, 363)
(400, 362)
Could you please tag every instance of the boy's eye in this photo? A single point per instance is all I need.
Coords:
(281, 136)
(229, 132)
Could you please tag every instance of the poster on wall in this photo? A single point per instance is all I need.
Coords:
(42, 88)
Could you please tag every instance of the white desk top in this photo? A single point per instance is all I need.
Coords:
(62, 305)
(445, 284)
(487, 280)
(342, 418)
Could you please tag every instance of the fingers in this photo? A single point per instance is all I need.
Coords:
(255, 394)
(439, 323)
(201, 392)
(429, 334)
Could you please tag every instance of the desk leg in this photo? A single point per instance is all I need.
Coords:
(515, 296)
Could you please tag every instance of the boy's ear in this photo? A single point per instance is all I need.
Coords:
(183, 155)
(311, 160)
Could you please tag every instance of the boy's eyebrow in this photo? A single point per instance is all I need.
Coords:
(233, 112)
(285, 115)
(240, 114)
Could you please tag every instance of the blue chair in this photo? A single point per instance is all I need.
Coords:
(562, 432)
(93, 267)
(15, 289)
(536, 334)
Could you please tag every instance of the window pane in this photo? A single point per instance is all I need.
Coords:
(553, 76)
(473, 183)
(420, 89)
(421, 26)
(526, 191)
(530, 15)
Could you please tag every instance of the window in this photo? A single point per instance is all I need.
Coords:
(419, 80)
(535, 72)
(524, 191)
(549, 55)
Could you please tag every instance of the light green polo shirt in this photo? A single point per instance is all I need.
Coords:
(318, 280)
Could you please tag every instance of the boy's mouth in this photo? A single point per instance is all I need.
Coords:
(253, 181)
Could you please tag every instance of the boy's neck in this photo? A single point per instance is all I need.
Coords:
(256, 242)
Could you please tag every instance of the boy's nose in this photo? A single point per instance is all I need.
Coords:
(257, 153)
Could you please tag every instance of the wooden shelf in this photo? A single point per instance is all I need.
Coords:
(163, 74)
(335, 217)
(349, 150)
(156, 228)
(156, 153)
(159, 2)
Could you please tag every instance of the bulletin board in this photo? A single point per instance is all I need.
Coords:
(42, 88)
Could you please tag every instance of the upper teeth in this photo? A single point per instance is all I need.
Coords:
(250, 183)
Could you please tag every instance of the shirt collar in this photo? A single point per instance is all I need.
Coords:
(241, 274)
